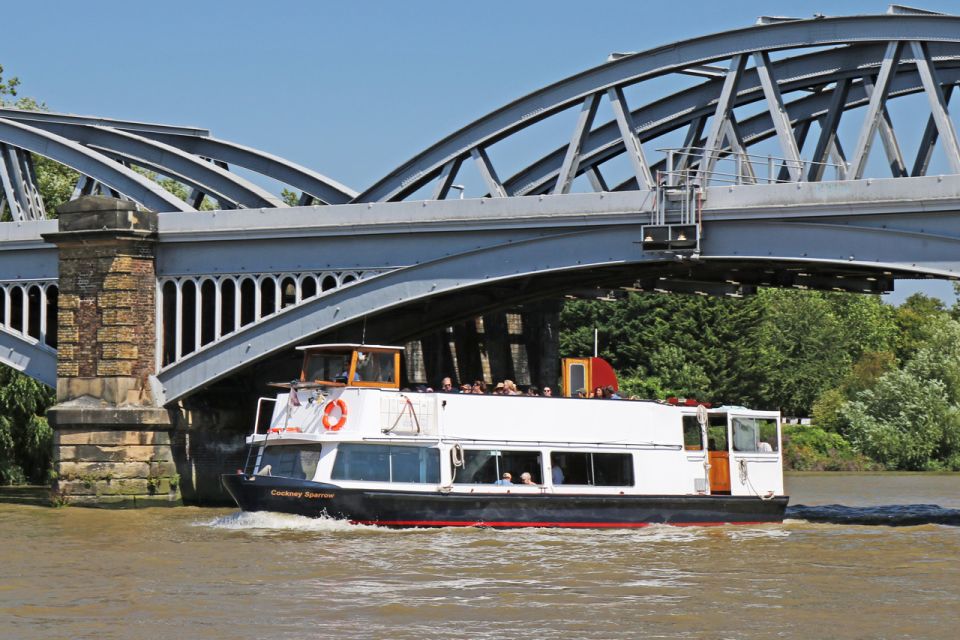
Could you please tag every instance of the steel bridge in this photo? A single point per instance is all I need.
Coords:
(757, 167)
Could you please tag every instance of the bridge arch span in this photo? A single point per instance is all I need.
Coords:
(866, 54)
(742, 254)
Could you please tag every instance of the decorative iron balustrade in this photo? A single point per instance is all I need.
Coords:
(194, 312)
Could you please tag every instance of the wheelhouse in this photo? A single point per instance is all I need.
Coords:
(351, 365)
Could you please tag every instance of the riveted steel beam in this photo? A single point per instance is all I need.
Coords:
(92, 164)
(938, 104)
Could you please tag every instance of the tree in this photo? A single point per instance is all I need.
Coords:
(904, 422)
(26, 440)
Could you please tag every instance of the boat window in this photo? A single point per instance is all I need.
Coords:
(577, 378)
(486, 466)
(692, 436)
(717, 433)
(375, 367)
(754, 434)
(332, 367)
(290, 461)
(595, 469)
(386, 463)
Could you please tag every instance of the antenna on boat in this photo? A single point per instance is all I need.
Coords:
(363, 335)
(596, 342)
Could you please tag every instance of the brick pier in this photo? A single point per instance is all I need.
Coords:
(112, 446)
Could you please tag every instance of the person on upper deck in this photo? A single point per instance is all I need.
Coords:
(505, 479)
(526, 478)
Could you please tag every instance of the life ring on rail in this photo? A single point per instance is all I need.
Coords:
(327, 423)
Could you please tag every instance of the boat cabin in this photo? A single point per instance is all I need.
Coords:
(351, 365)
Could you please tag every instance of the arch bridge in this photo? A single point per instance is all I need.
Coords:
(713, 165)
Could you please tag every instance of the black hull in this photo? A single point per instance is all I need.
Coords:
(429, 509)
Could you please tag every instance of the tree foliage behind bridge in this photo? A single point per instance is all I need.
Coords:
(880, 381)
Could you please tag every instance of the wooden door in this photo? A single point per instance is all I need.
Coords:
(719, 472)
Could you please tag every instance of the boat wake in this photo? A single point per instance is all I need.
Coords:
(246, 520)
(892, 515)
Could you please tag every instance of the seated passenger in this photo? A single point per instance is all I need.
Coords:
(505, 480)
(765, 447)
(526, 478)
(557, 475)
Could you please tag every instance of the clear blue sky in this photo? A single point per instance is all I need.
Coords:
(350, 89)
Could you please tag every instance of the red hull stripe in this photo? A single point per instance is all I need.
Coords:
(582, 525)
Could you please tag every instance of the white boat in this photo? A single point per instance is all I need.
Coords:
(346, 442)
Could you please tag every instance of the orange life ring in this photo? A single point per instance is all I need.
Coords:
(340, 404)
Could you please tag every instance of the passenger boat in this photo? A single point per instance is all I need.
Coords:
(344, 441)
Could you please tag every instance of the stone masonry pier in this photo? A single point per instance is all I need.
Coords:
(112, 445)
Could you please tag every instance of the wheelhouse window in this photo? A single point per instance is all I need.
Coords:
(290, 461)
(755, 434)
(375, 367)
(594, 469)
(486, 466)
(327, 367)
(386, 463)
(692, 435)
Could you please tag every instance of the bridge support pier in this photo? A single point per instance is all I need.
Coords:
(112, 446)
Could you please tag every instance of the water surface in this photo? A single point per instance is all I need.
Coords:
(204, 573)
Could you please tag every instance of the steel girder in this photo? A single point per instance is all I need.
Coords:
(29, 356)
(87, 162)
(688, 107)
(758, 40)
(181, 152)
(170, 161)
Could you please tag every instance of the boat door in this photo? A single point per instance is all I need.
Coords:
(719, 453)
(755, 453)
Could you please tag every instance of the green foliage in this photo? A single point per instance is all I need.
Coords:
(915, 319)
(778, 349)
(903, 422)
(810, 448)
(26, 440)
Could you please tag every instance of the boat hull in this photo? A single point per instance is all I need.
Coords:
(499, 510)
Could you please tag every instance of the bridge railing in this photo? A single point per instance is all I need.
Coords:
(689, 165)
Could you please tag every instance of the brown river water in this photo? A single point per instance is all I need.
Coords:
(216, 573)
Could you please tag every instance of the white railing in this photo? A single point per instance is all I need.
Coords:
(194, 312)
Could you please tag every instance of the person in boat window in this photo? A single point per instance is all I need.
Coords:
(466, 388)
(557, 474)
(505, 479)
(533, 391)
(479, 387)
(581, 393)
(526, 478)
(446, 386)
(498, 390)
(510, 388)
(597, 393)
(609, 393)
(547, 392)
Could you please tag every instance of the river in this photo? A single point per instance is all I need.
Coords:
(215, 573)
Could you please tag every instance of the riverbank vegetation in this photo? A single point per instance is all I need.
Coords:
(881, 384)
